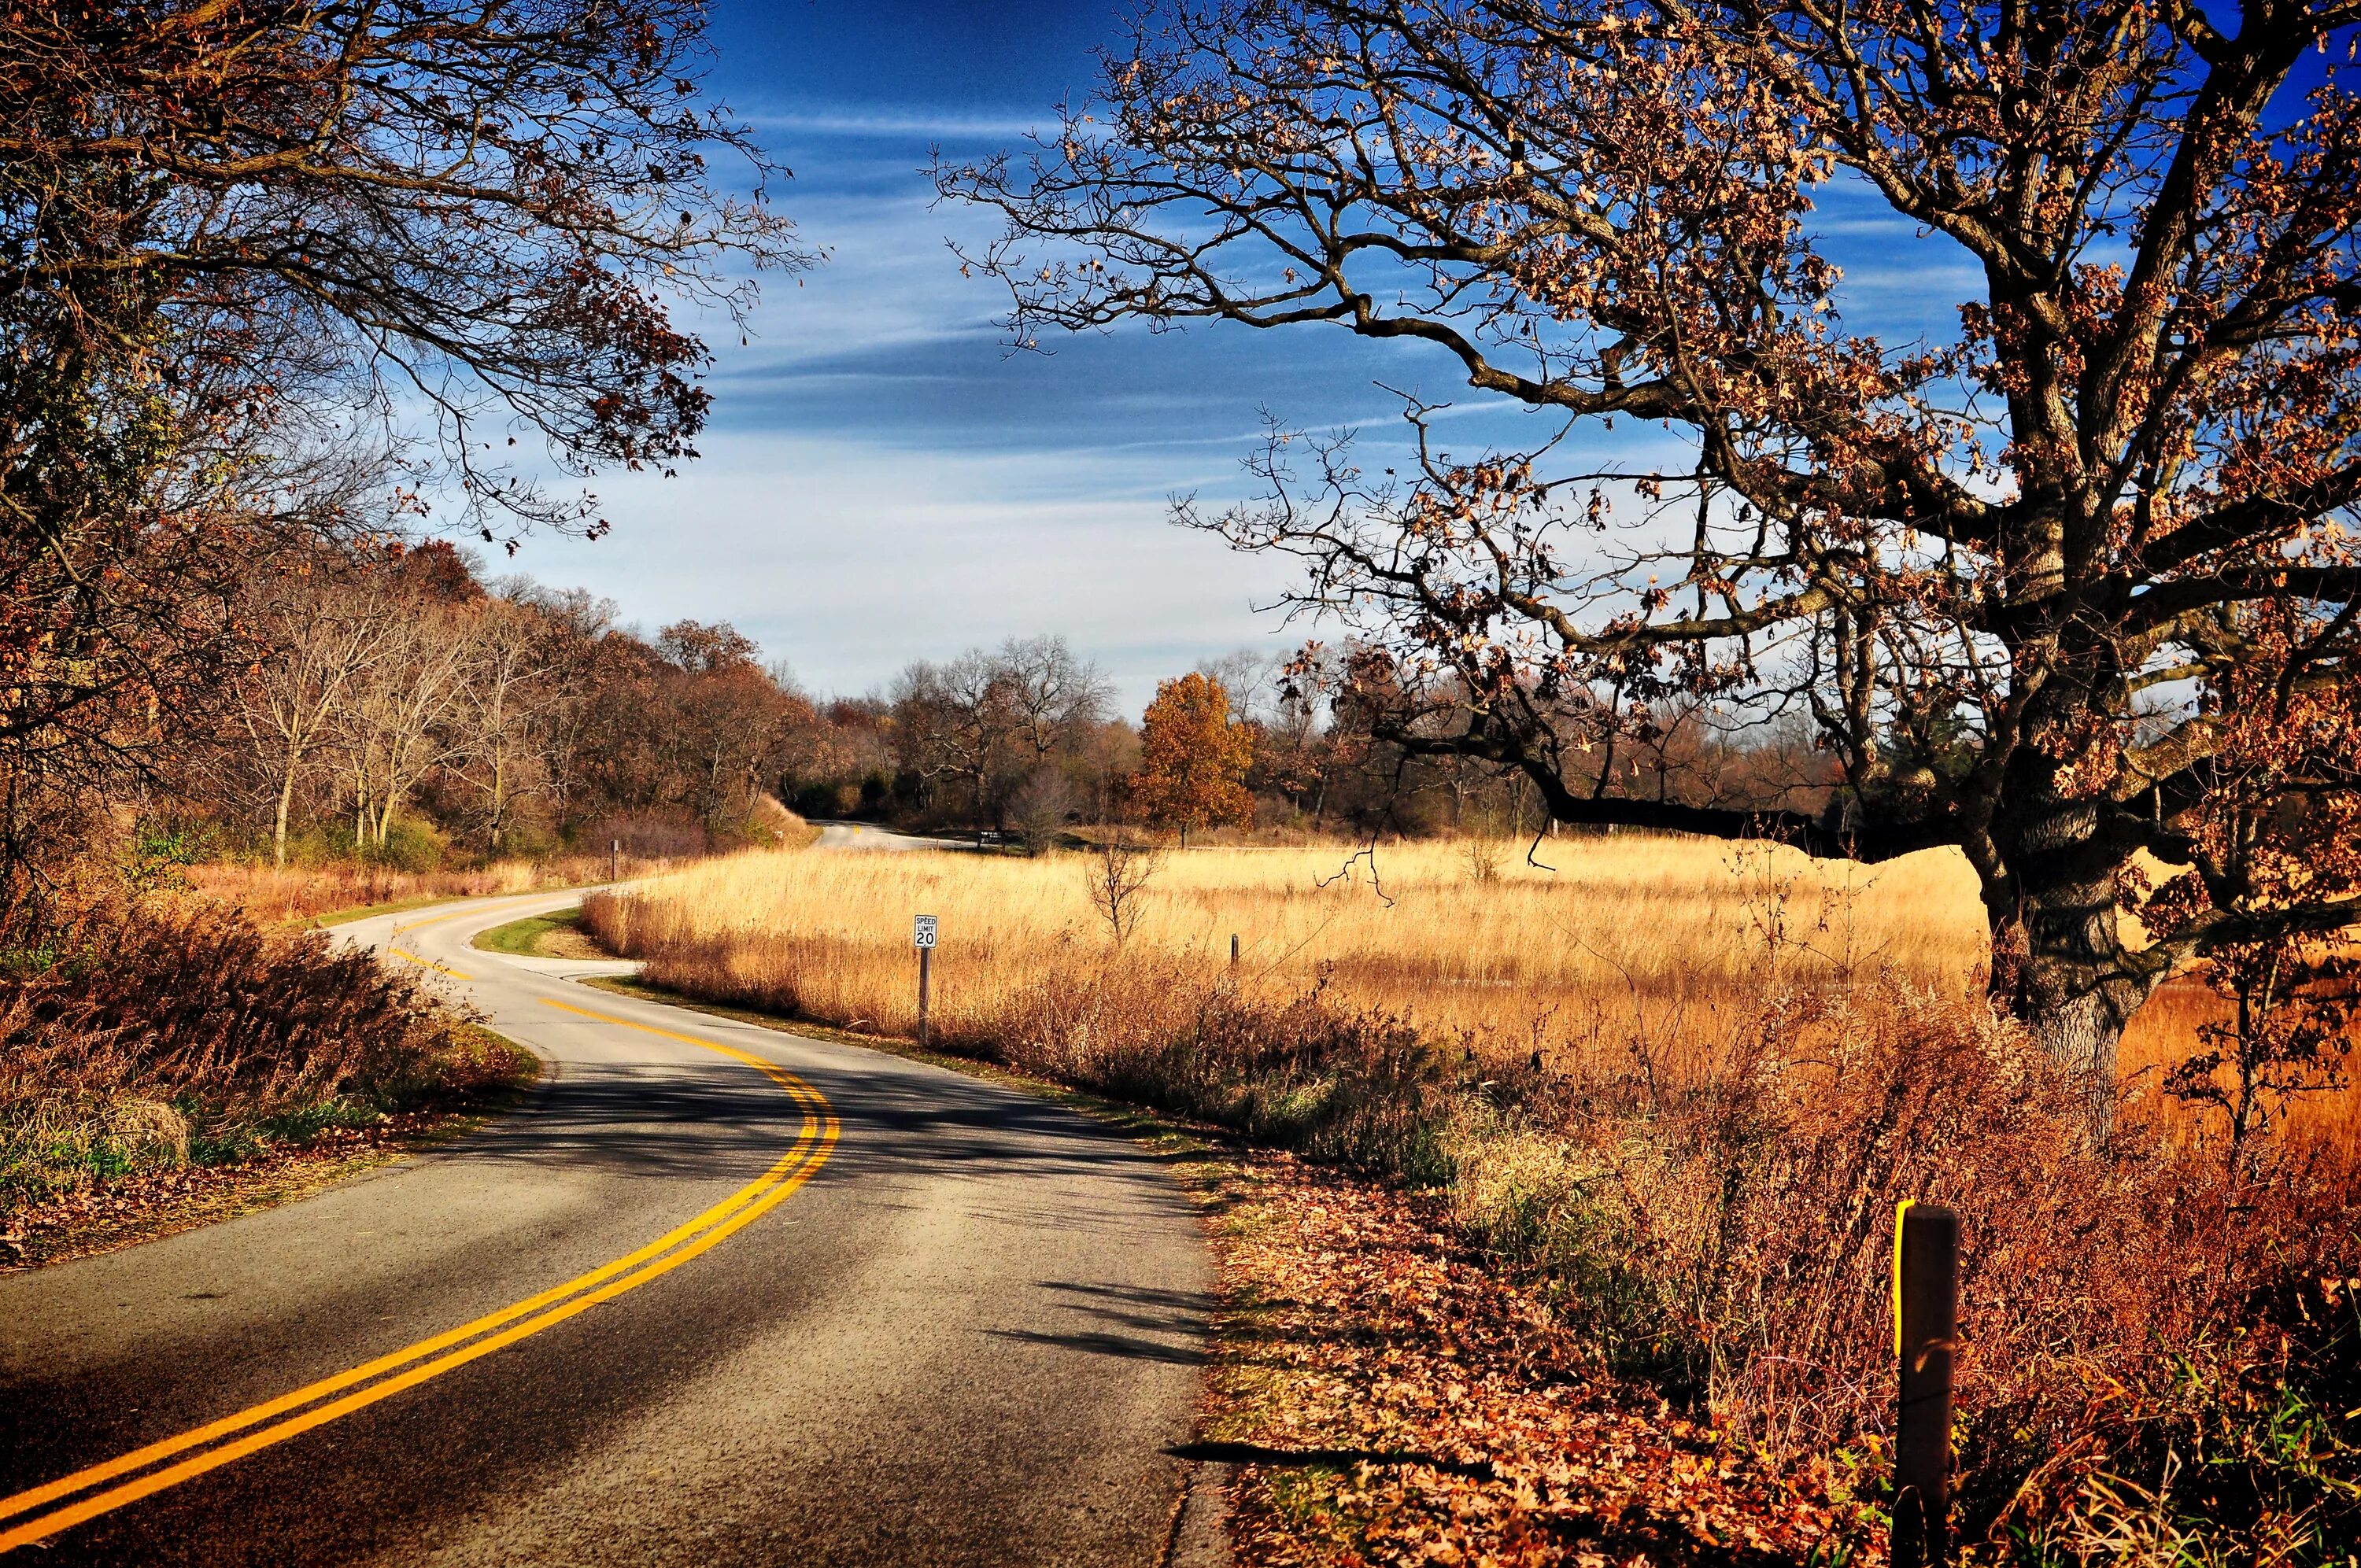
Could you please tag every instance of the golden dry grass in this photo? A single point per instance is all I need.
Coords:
(1675, 941)
(1678, 937)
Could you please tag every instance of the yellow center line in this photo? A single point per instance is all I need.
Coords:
(394, 937)
(810, 1150)
(428, 963)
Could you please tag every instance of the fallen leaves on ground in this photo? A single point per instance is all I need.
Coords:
(1396, 1400)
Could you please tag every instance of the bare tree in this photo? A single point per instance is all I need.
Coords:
(1051, 696)
(502, 692)
(1250, 680)
(407, 710)
(1117, 872)
(323, 637)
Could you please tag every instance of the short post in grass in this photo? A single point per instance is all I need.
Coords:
(614, 858)
(922, 936)
(1925, 1329)
(1233, 950)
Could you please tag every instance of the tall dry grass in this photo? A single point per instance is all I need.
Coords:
(651, 845)
(287, 895)
(1680, 1088)
(1666, 937)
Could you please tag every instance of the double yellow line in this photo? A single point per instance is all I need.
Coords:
(220, 1442)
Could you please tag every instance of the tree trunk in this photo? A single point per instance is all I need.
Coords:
(2058, 961)
(499, 799)
(279, 828)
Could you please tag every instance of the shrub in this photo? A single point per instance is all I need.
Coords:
(1358, 1088)
(150, 1035)
(410, 845)
(2140, 1320)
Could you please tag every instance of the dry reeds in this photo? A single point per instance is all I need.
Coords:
(280, 895)
(1672, 936)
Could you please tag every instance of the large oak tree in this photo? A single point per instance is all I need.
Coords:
(2001, 567)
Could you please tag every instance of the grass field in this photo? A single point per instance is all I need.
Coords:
(1672, 936)
(1666, 931)
(1672, 942)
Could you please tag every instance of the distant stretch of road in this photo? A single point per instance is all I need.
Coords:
(866, 836)
(715, 1294)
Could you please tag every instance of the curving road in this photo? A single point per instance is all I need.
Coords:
(716, 1295)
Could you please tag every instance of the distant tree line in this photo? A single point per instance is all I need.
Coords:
(398, 706)
(1024, 740)
(279, 284)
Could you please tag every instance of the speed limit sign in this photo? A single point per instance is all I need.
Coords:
(922, 933)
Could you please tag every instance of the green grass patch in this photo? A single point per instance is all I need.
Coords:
(528, 938)
(370, 911)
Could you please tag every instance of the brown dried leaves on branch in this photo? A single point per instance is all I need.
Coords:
(1978, 572)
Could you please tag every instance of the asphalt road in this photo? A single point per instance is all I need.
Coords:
(778, 1301)
(869, 835)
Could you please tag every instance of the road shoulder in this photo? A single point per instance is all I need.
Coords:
(1379, 1390)
(107, 1216)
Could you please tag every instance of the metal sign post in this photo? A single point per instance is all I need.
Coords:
(1925, 1329)
(614, 858)
(922, 936)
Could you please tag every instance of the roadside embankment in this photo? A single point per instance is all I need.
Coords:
(161, 1065)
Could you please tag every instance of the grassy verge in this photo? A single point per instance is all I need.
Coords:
(1382, 1395)
(109, 1197)
(555, 936)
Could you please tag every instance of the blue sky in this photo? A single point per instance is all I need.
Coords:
(884, 482)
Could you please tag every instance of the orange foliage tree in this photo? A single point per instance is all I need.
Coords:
(1193, 757)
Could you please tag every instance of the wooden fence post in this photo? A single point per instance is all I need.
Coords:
(1925, 1329)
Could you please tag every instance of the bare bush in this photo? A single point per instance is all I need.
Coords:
(1040, 807)
(1117, 872)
